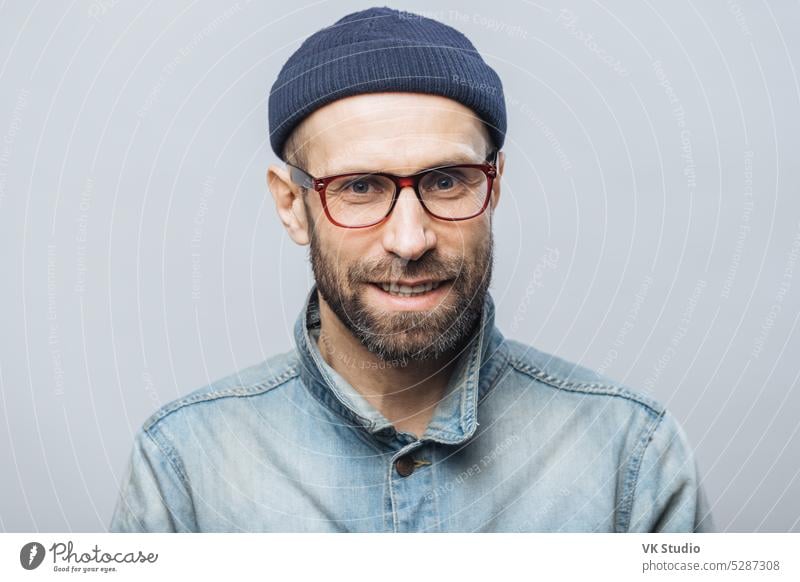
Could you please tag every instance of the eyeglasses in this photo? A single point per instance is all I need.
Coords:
(359, 199)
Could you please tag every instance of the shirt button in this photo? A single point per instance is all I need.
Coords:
(404, 466)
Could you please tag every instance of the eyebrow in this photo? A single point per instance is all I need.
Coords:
(449, 161)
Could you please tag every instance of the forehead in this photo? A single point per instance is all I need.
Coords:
(394, 132)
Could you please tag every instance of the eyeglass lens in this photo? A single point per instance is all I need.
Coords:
(449, 193)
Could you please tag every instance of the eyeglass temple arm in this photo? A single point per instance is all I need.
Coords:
(301, 178)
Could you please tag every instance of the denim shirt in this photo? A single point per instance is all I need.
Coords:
(522, 441)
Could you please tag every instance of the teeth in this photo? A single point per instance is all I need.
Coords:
(406, 291)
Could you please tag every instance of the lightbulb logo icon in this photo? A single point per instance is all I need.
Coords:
(31, 555)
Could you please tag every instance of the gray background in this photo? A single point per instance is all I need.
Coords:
(652, 155)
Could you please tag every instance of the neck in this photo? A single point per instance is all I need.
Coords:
(405, 392)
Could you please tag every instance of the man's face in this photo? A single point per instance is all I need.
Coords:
(403, 134)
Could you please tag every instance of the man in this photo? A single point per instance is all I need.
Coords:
(403, 407)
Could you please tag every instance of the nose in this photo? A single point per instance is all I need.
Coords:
(407, 232)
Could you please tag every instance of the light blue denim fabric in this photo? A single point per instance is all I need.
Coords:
(523, 441)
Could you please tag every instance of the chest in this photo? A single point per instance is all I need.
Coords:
(511, 482)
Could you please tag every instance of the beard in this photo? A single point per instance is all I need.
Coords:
(407, 335)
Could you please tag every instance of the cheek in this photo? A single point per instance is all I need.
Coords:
(348, 253)
(463, 238)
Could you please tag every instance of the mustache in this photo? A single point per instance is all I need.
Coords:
(432, 268)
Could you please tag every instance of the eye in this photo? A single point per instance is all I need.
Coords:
(360, 186)
(444, 182)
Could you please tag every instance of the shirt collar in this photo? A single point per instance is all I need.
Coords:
(456, 416)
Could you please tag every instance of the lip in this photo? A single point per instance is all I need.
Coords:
(411, 283)
(423, 302)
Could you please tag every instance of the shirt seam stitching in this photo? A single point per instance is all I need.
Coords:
(586, 387)
(632, 476)
(168, 452)
(237, 391)
(177, 467)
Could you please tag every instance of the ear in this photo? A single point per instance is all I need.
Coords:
(289, 204)
(501, 161)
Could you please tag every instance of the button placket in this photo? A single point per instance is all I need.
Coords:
(410, 484)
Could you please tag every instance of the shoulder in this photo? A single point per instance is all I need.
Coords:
(251, 381)
(560, 374)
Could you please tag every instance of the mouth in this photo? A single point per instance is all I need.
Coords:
(408, 290)
(411, 295)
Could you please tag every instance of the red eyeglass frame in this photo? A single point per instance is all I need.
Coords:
(306, 180)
